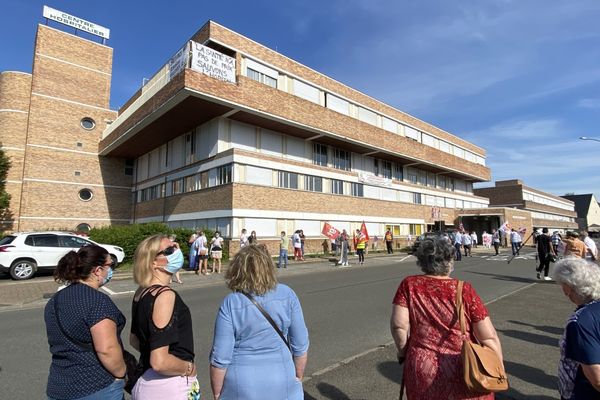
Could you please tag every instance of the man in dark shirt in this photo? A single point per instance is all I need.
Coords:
(545, 251)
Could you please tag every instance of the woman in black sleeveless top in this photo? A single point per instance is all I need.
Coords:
(161, 326)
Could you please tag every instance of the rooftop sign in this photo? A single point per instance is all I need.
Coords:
(76, 23)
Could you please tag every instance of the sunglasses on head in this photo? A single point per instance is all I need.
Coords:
(167, 252)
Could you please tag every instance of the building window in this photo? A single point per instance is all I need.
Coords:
(224, 174)
(337, 186)
(383, 168)
(288, 180)
(313, 183)
(422, 177)
(430, 179)
(129, 165)
(320, 154)
(85, 194)
(260, 77)
(192, 183)
(357, 190)
(412, 175)
(176, 186)
(88, 123)
(83, 228)
(341, 159)
(398, 172)
(417, 198)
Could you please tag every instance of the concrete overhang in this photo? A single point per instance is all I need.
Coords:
(189, 107)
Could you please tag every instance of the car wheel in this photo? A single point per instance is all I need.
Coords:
(22, 269)
(115, 262)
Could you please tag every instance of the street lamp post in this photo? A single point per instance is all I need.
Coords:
(589, 138)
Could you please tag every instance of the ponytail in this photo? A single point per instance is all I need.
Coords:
(76, 266)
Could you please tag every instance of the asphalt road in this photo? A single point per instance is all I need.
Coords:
(347, 312)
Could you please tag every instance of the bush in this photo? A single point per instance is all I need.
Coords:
(129, 236)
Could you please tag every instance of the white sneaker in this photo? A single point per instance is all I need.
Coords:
(547, 278)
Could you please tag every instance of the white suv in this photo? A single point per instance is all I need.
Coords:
(22, 254)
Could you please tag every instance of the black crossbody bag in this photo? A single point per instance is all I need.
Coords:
(268, 317)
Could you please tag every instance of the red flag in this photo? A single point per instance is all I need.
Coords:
(363, 230)
(330, 231)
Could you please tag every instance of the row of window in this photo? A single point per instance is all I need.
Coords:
(551, 217)
(268, 76)
(218, 176)
(389, 170)
(546, 201)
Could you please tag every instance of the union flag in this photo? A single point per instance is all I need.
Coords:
(330, 231)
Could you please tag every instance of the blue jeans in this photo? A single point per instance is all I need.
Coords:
(515, 248)
(457, 253)
(283, 258)
(114, 391)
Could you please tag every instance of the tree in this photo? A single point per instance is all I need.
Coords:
(4, 196)
(570, 194)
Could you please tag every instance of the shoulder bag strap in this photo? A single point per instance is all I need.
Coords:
(268, 317)
(85, 346)
(459, 307)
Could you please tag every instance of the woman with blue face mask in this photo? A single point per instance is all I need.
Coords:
(84, 328)
(161, 327)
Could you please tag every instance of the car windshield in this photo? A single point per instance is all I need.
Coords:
(7, 240)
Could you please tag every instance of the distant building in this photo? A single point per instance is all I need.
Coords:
(588, 211)
(547, 210)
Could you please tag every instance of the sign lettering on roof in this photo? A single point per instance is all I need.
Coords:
(76, 22)
(213, 63)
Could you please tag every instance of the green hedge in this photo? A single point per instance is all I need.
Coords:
(129, 236)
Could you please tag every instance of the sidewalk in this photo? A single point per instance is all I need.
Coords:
(529, 323)
(35, 291)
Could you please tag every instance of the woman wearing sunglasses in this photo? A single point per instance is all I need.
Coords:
(161, 327)
(84, 328)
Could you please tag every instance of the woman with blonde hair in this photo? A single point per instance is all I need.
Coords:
(161, 327)
(260, 341)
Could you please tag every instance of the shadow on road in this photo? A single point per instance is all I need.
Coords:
(391, 370)
(544, 328)
(329, 392)
(508, 278)
(531, 337)
(532, 375)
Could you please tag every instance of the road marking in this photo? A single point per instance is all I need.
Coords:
(113, 293)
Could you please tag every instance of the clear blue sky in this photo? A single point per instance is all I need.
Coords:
(519, 78)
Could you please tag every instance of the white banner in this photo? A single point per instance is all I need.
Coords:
(374, 180)
(213, 63)
(178, 62)
(75, 22)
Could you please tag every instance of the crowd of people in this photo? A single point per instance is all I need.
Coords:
(260, 342)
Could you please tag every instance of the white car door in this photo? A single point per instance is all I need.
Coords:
(46, 249)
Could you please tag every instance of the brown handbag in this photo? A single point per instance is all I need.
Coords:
(482, 369)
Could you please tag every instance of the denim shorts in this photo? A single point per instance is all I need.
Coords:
(114, 391)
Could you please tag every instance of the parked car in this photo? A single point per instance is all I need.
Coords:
(22, 254)
(417, 242)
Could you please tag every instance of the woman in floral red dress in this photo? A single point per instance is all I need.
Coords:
(426, 330)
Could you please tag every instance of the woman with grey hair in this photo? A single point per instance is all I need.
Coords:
(425, 310)
(579, 365)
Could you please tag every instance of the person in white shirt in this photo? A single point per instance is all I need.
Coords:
(216, 252)
(591, 251)
(466, 242)
(202, 250)
(457, 245)
(244, 239)
(515, 241)
(474, 238)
